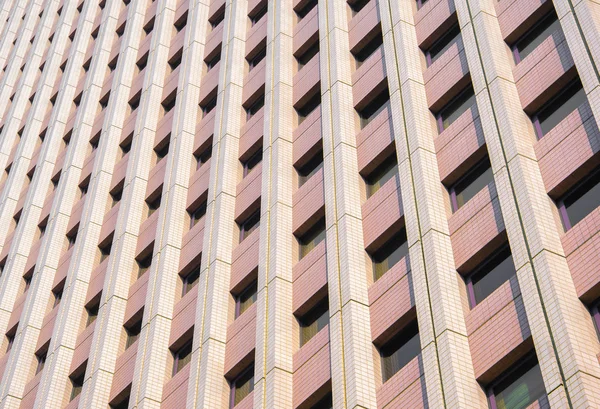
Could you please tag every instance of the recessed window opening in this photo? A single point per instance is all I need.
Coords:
(249, 225)
(133, 333)
(518, 387)
(557, 109)
(455, 108)
(242, 386)
(313, 103)
(365, 52)
(257, 58)
(198, 213)
(256, 17)
(580, 201)
(302, 12)
(400, 350)
(307, 55)
(314, 321)
(209, 106)
(310, 168)
(144, 264)
(203, 157)
(182, 357)
(153, 205)
(246, 298)
(252, 162)
(439, 47)
(76, 385)
(190, 280)
(490, 275)
(357, 6)
(548, 25)
(389, 254)
(370, 112)
(476, 179)
(312, 237)
(384, 172)
(211, 62)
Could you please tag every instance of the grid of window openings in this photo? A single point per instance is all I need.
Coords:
(248, 203)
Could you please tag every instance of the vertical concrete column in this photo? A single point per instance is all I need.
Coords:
(153, 358)
(24, 233)
(37, 112)
(564, 338)
(580, 22)
(54, 383)
(8, 10)
(108, 330)
(274, 327)
(21, 53)
(352, 367)
(145, 391)
(208, 388)
(447, 363)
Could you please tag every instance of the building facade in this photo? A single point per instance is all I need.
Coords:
(299, 204)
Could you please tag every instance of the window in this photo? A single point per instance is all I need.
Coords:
(255, 107)
(384, 172)
(368, 113)
(257, 58)
(528, 42)
(92, 313)
(252, 161)
(314, 321)
(197, 214)
(255, 18)
(153, 204)
(125, 147)
(10, 340)
(182, 357)
(365, 52)
(455, 108)
(122, 403)
(27, 281)
(77, 385)
(325, 403)
(162, 151)
(190, 280)
(400, 350)
(133, 333)
(580, 201)
(307, 55)
(312, 238)
(246, 298)
(203, 157)
(420, 3)
(476, 179)
(357, 6)
(313, 103)
(57, 297)
(116, 196)
(169, 103)
(439, 47)
(390, 253)
(174, 63)
(41, 361)
(208, 106)
(310, 168)
(217, 18)
(105, 250)
(181, 23)
(144, 264)
(72, 238)
(242, 386)
(301, 13)
(557, 109)
(491, 274)
(211, 62)
(518, 387)
(249, 225)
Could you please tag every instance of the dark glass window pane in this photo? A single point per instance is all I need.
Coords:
(389, 254)
(495, 272)
(545, 28)
(387, 170)
(313, 322)
(478, 178)
(583, 199)
(312, 238)
(558, 109)
(246, 298)
(457, 107)
(520, 388)
(183, 357)
(311, 167)
(444, 43)
(251, 224)
(243, 385)
(368, 113)
(400, 351)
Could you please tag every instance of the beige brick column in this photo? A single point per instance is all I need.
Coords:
(54, 386)
(208, 387)
(580, 22)
(153, 356)
(20, 365)
(119, 274)
(564, 338)
(447, 364)
(8, 10)
(274, 326)
(352, 367)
